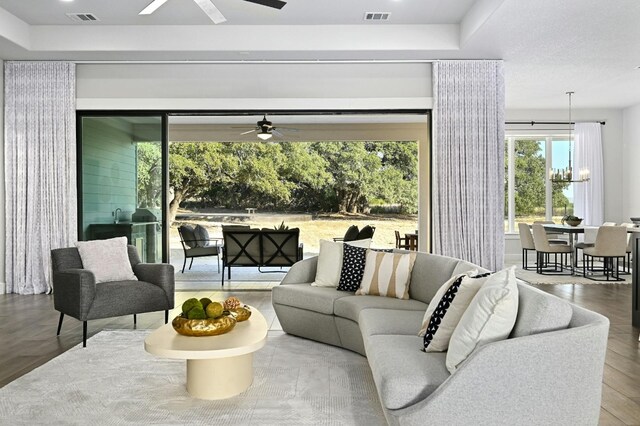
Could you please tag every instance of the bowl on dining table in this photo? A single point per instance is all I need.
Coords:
(635, 220)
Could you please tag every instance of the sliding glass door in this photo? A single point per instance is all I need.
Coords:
(122, 171)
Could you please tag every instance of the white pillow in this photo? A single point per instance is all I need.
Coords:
(490, 317)
(447, 307)
(330, 261)
(387, 274)
(107, 259)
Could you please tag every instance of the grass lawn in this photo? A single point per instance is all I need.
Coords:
(321, 227)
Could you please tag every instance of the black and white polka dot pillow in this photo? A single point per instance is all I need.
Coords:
(446, 309)
(353, 262)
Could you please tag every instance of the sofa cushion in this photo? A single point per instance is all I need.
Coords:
(490, 317)
(540, 312)
(353, 262)
(429, 272)
(305, 296)
(389, 321)
(330, 262)
(349, 307)
(387, 274)
(403, 373)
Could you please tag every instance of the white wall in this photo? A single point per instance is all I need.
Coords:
(613, 154)
(630, 166)
(2, 210)
(254, 86)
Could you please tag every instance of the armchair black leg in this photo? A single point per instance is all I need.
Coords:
(166, 316)
(84, 334)
(60, 324)
(184, 264)
(135, 320)
(191, 263)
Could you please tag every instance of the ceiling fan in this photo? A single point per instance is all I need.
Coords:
(210, 9)
(265, 129)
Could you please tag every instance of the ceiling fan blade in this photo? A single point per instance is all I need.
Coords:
(246, 133)
(276, 4)
(211, 10)
(153, 6)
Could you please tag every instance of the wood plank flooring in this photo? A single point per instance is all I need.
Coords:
(28, 336)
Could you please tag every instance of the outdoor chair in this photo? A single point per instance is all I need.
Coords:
(196, 243)
(401, 242)
(350, 235)
(75, 292)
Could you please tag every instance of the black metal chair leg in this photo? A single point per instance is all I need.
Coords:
(60, 324)
(190, 263)
(84, 334)
(184, 264)
(135, 320)
(166, 316)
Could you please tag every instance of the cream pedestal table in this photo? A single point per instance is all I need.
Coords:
(218, 367)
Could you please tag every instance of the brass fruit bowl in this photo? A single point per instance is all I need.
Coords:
(203, 327)
(573, 222)
(241, 314)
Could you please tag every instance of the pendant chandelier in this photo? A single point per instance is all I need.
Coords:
(567, 175)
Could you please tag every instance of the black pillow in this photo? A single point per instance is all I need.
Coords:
(202, 236)
(353, 262)
(188, 235)
(351, 234)
(366, 232)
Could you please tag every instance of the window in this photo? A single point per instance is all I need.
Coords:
(529, 194)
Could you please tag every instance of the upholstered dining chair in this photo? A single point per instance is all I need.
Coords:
(627, 265)
(526, 241)
(552, 240)
(544, 249)
(610, 246)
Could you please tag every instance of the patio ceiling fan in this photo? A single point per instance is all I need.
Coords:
(210, 9)
(265, 129)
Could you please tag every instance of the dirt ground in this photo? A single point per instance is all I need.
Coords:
(312, 231)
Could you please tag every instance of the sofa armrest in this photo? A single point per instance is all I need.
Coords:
(160, 274)
(73, 292)
(301, 272)
(546, 378)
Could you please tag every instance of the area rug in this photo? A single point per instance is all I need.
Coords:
(113, 381)
(534, 278)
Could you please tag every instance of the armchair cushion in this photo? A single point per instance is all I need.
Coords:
(107, 259)
(124, 297)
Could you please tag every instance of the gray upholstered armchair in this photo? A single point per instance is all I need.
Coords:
(76, 294)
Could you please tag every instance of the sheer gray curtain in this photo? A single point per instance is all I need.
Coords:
(40, 170)
(468, 160)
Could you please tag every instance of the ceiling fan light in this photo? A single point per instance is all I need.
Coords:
(264, 135)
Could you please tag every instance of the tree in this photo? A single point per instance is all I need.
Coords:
(149, 159)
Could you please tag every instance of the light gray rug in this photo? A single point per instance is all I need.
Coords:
(532, 277)
(115, 382)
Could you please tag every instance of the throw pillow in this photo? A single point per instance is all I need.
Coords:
(188, 235)
(366, 232)
(490, 317)
(351, 234)
(353, 262)
(446, 309)
(202, 236)
(107, 259)
(330, 262)
(387, 274)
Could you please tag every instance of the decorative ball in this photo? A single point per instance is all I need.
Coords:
(232, 303)
(190, 304)
(205, 302)
(196, 313)
(214, 310)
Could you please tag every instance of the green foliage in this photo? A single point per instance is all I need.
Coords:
(281, 227)
(309, 176)
(149, 159)
(190, 304)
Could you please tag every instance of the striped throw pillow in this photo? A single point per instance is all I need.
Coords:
(387, 274)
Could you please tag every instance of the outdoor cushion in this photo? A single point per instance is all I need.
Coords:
(539, 313)
(203, 251)
(389, 321)
(202, 236)
(403, 374)
(366, 232)
(188, 235)
(350, 307)
(304, 296)
(351, 234)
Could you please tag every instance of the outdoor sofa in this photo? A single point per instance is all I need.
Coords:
(259, 248)
(549, 371)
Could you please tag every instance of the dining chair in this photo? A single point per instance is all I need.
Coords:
(544, 249)
(626, 266)
(552, 240)
(401, 242)
(610, 246)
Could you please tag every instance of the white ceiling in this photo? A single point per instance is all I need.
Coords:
(549, 46)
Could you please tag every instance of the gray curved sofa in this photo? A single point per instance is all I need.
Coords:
(548, 372)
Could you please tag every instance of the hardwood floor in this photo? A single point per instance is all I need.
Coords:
(28, 337)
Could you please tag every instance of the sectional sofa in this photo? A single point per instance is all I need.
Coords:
(549, 371)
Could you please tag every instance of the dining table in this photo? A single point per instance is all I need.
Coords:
(573, 232)
(412, 240)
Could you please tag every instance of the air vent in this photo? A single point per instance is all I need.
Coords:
(82, 17)
(377, 16)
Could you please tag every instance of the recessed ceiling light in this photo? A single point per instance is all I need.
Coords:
(67, 1)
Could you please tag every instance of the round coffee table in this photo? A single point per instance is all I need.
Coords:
(218, 367)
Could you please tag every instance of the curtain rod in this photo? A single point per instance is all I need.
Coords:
(533, 123)
(257, 61)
